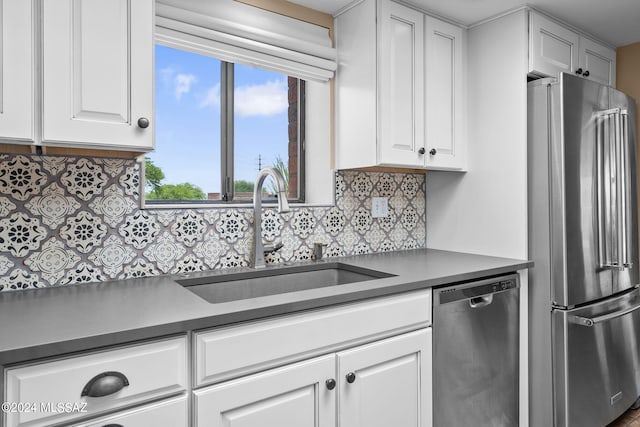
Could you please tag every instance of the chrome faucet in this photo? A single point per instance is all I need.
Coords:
(283, 206)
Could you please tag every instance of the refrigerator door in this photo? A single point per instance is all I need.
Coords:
(596, 361)
(593, 202)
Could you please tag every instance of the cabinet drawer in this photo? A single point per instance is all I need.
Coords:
(225, 353)
(167, 413)
(130, 375)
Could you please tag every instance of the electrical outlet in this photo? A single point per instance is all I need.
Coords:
(379, 207)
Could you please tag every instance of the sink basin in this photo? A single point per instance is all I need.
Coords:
(222, 287)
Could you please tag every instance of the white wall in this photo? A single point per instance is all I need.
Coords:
(484, 210)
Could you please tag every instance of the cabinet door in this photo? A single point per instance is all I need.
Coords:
(16, 65)
(97, 73)
(552, 48)
(390, 382)
(598, 61)
(445, 139)
(295, 395)
(401, 79)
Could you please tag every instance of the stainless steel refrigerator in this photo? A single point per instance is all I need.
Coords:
(584, 324)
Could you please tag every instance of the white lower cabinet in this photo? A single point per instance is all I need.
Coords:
(295, 395)
(385, 383)
(167, 413)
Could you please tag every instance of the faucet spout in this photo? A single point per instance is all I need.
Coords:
(283, 207)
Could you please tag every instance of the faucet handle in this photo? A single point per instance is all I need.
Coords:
(317, 251)
(268, 248)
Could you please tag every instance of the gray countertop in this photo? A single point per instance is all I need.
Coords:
(53, 321)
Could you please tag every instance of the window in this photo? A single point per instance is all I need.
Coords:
(217, 124)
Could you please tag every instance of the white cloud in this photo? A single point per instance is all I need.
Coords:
(212, 98)
(166, 76)
(183, 84)
(266, 99)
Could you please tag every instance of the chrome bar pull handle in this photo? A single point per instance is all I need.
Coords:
(626, 188)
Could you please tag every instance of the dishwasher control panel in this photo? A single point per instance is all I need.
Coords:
(464, 291)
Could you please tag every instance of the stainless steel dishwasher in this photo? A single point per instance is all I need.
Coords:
(475, 353)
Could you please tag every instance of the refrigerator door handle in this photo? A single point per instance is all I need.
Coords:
(625, 215)
(591, 321)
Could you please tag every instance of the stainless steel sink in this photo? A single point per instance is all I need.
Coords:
(224, 287)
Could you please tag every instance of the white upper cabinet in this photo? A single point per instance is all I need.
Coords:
(598, 62)
(390, 58)
(98, 73)
(16, 65)
(401, 97)
(554, 48)
(445, 120)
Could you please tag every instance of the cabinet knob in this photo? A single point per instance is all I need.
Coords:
(421, 151)
(331, 383)
(143, 122)
(351, 377)
(586, 73)
(433, 151)
(579, 71)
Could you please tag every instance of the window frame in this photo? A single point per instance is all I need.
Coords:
(227, 142)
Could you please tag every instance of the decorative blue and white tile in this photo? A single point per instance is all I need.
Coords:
(303, 223)
(139, 229)
(420, 233)
(19, 280)
(375, 237)
(388, 222)
(113, 255)
(362, 220)
(411, 243)
(386, 186)
(348, 204)
(273, 258)
(189, 227)
(233, 260)
(6, 207)
(409, 218)
(52, 206)
(361, 248)
(189, 264)
(211, 249)
(84, 179)
(83, 273)
(419, 202)
(303, 253)
(340, 185)
(211, 215)
(272, 224)
(410, 186)
(84, 232)
(348, 239)
(113, 167)
(165, 252)
(139, 267)
(231, 225)
(52, 261)
(21, 234)
(387, 246)
(334, 221)
(130, 181)
(54, 165)
(5, 265)
(166, 216)
(333, 250)
(398, 235)
(113, 205)
(361, 186)
(398, 202)
(21, 178)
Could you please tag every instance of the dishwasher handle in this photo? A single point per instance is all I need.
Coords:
(479, 302)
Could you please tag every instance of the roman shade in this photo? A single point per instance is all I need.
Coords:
(239, 33)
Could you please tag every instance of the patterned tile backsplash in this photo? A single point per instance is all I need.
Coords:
(67, 220)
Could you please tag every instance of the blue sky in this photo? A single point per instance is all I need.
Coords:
(188, 118)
